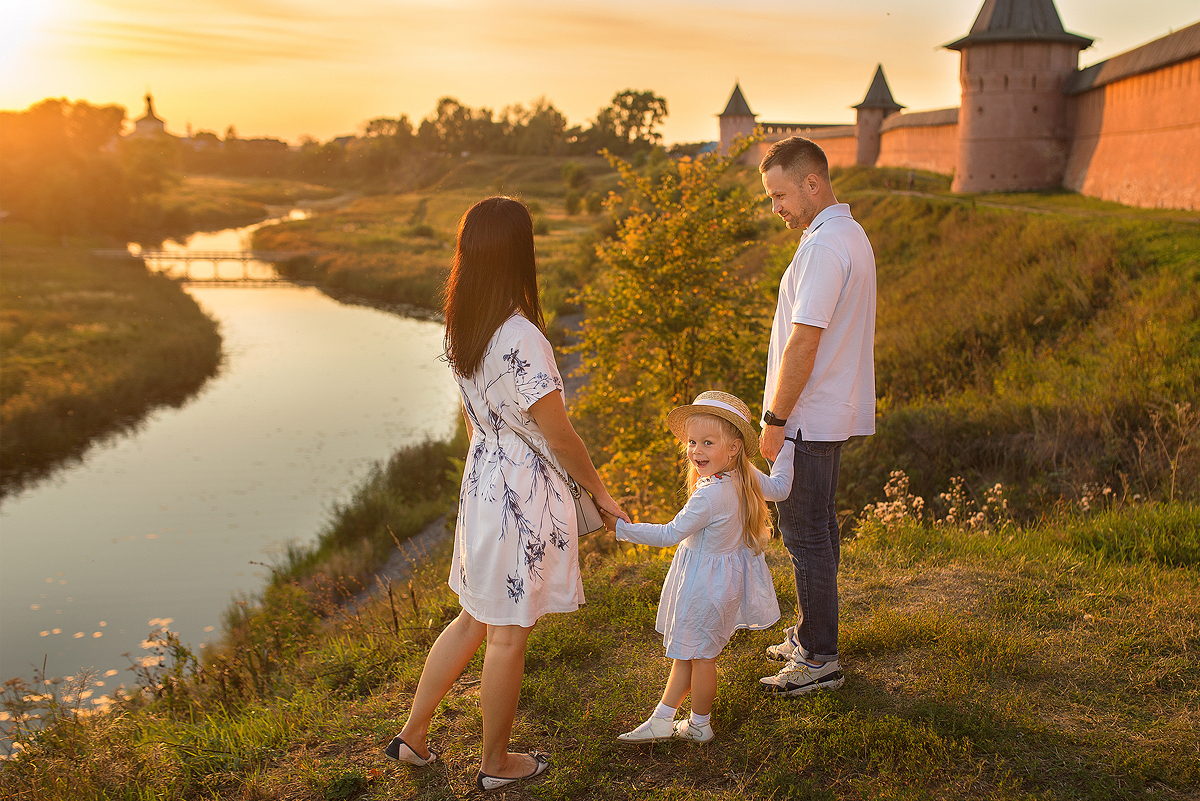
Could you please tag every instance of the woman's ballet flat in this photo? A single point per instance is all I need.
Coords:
(402, 752)
(486, 782)
(652, 730)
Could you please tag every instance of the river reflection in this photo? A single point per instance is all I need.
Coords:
(160, 526)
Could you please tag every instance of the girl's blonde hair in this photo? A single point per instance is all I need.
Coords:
(756, 519)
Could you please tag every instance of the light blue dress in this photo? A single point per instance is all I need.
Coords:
(716, 584)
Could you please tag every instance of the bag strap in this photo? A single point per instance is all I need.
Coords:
(570, 482)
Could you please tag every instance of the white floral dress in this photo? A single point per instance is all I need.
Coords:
(716, 584)
(515, 552)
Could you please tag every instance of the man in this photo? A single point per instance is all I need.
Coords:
(820, 391)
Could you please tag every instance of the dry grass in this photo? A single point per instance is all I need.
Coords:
(1012, 664)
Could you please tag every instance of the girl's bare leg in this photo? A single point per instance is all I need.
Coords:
(447, 659)
(704, 685)
(679, 684)
(503, 670)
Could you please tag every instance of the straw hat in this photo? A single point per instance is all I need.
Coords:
(719, 404)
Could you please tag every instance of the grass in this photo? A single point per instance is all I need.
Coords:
(1008, 662)
(397, 249)
(209, 203)
(1052, 655)
(1054, 355)
(88, 347)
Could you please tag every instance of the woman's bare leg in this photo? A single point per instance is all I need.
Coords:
(447, 659)
(503, 670)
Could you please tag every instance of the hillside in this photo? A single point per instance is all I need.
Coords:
(1029, 629)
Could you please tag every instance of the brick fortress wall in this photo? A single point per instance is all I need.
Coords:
(1137, 140)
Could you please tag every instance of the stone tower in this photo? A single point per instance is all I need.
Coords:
(1013, 126)
(736, 120)
(875, 107)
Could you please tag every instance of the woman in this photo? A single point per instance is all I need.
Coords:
(515, 553)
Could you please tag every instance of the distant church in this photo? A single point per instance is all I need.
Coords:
(149, 125)
(1126, 129)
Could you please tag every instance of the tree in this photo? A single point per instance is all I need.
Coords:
(454, 128)
(671, 316)
(58, 169)
(627, 124)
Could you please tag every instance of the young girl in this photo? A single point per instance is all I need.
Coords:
(718, 581)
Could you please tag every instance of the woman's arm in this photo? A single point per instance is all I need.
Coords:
(467, 420)
(551, 416)
(778, 485)
(695, 515)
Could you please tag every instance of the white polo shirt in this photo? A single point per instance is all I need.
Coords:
(830, 284)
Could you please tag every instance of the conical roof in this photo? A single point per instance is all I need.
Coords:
(880, 94)
(737, 105)
(1018, 21)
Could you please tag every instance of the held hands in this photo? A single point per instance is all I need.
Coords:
(610, 512)
(770, 442)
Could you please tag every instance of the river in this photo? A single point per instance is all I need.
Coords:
(160, 526)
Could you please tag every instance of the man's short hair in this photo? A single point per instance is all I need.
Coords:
(798, 157)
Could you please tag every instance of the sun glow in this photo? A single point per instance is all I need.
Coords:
(312, 67)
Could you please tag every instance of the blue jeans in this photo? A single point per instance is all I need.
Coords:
(808, 522)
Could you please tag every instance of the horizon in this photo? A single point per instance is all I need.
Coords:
(210, 64)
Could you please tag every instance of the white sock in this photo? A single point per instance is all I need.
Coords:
(665, 712)
(700, 720)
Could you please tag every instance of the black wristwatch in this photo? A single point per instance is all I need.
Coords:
(771, 419)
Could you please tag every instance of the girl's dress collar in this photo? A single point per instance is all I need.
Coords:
(714, 478)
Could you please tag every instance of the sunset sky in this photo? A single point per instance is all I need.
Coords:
(285, 69)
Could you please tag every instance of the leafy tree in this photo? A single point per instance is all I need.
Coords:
(627, 124)
(58, 168)
(534, 131)
(670, 316)
(454, 128)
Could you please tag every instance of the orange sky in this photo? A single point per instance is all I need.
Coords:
(276, 68)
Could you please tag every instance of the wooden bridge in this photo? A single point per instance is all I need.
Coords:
(169, 263)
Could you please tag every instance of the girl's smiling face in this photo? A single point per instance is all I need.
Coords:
(709, 448)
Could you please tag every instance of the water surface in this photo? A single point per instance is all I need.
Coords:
(161, 526)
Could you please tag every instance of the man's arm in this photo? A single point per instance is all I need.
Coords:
(795, 367)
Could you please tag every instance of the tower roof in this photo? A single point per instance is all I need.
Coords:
(880, 94)
(1018, 21)
(150, 115)
(737, 105)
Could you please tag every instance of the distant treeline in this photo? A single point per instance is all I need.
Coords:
(66, 169)
(396, 151)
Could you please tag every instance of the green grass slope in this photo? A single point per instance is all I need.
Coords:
(997, 663)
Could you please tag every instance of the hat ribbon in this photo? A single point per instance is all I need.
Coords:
(719, 404)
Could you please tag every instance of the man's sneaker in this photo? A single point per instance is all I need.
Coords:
(686, 730)
(784, 651)
(797, 678)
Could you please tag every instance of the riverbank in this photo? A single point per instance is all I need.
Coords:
(88, 348)
(1051, 655)
(1063, 331)
(997, 662)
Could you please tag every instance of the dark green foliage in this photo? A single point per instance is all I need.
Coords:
(88, 347)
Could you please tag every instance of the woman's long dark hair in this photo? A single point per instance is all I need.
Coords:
(494, 274)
